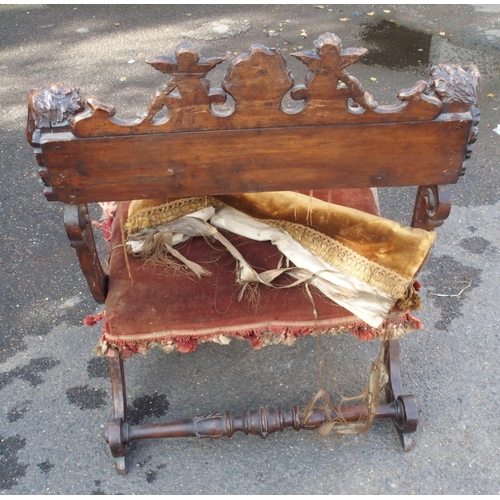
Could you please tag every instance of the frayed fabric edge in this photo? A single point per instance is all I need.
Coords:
(257, 337)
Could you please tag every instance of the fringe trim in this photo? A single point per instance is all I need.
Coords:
(257, 337)
(344, 258)
(91, 320)
(162, 214)
(107, 218)
(411, 301)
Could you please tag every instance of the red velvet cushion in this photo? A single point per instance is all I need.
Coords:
(148, 305)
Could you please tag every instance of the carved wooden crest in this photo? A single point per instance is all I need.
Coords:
(258, 81)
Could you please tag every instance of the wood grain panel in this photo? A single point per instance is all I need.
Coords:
(223, 162)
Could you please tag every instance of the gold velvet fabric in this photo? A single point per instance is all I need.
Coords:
(397, 248)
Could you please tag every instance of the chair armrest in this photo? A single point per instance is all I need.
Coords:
(79, 230)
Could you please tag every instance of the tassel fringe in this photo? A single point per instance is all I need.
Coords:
(257, 338)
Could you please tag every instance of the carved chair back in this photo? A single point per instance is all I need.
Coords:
(337, 135)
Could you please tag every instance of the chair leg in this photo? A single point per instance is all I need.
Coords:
(407, 409)
(116, 426)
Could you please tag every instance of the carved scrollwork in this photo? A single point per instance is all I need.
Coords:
(455, 86)
(189, 73)
(476, 115)
(79, 230)
(259, 80)
(52, 108)
(329, 86)
(432, 206)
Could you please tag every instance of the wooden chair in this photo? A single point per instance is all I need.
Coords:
(332, 145)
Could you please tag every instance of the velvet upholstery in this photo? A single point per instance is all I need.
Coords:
(158, 306)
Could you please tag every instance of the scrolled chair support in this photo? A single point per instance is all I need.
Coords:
(432, 206)
(79, 229)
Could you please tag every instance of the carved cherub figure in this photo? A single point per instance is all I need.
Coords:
(327, 63)
(188, 77)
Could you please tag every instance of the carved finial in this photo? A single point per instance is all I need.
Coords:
(328, 58)
(187, 62)
(189, 77)
(52, 107)
(258, 79)
(326, 63)
(457, 87)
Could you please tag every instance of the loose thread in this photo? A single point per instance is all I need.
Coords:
(377, 380)
(329, 206)
(456, 295)
(309, 216)
(295, 207)
(122, 231)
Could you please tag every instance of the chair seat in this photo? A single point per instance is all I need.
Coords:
(154, 306)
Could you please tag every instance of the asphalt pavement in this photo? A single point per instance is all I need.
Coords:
(55, 394)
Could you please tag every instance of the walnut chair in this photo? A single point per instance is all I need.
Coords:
(283, 192)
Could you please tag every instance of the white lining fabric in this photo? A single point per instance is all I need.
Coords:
(366, 301)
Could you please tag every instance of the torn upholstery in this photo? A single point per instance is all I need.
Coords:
(370, 260)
